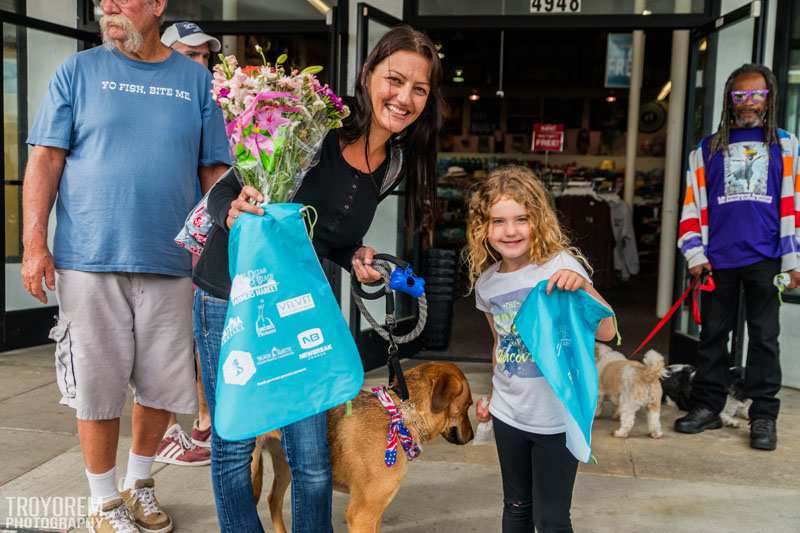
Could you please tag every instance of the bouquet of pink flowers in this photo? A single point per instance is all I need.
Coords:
(276, 120)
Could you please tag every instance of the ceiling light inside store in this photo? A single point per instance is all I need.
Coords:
(439, 50)
(320, 6)
(647, 12)
(703, 45)
(474, 97)
(611, 98)
(664, 91)
(459, 77)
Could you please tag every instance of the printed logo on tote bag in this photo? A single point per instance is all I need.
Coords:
(310, 338)
(238, 368)
(295, 305)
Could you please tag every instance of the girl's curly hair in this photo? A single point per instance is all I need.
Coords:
(520, 184)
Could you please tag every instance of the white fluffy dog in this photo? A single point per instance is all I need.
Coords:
(630, 385)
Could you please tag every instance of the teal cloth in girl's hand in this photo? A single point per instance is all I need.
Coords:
(287, 352)
(559, 331)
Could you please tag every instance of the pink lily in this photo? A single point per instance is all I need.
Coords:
(257, 143)
(270, 120)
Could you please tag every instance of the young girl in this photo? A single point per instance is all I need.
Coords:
(515, 242)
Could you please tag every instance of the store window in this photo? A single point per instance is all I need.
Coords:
(526, 7)
(63, 12)
(301, 49)
(30, 58)
(792, 122)
(792, 97)
(246, 10)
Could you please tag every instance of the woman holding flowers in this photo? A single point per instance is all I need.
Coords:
(390, 133)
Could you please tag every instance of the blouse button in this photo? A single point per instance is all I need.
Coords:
(346, 207)
(355, 186)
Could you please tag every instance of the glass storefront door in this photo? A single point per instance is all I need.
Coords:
(33, 49)
(716, 50)
(387, 233)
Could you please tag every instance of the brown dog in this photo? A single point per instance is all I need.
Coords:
(441, 396)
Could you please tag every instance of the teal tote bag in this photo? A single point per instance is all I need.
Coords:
(287, 352)
(559, 331)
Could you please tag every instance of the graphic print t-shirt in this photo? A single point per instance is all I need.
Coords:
(521, 396)
(743, 199)
(135, 134)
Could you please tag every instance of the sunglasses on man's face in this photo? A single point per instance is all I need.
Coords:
(756, 96)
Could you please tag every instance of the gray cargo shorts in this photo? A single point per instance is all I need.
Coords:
(117, 329)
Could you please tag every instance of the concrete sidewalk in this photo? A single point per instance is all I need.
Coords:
(711, 482)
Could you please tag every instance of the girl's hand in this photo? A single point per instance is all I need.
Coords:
(245, 203)
(362, 261)
(566, 280)
(482, 410)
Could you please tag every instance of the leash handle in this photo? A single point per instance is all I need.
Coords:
(359, 290)
(705, 284)
(696, 286)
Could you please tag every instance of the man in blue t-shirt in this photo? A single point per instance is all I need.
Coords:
(119, 143)
(738, 198)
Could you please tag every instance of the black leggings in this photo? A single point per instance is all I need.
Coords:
(536, 469)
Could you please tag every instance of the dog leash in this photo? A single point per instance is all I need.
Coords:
(401, 279)
(696, 286)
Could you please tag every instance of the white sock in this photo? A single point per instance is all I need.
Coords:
(102, 487)
(138, 468)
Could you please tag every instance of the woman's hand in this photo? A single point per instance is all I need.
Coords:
(362, 261)
(566, 280)
(482, 409)
(246, 202)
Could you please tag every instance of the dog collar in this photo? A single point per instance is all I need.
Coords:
(398, 432)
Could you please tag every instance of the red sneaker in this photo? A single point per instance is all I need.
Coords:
(176, 448)
(201, 438)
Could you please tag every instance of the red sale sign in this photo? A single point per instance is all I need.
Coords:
(548, 138)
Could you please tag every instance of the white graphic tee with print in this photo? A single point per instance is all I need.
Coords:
(521, 396)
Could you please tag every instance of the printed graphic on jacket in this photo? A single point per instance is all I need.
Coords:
(513, 359)
(746, 173)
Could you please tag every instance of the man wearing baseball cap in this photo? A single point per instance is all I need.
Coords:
(176, 447)
(188, 39)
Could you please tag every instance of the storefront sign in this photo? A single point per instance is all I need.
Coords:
(560, 7)
(548, 138)
(619, 58)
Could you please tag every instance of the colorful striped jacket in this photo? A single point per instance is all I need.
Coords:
(693, 229)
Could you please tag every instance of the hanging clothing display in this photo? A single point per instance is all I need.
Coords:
(626, 254)
(587, 218)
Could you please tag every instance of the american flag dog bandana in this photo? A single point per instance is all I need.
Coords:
(397, 430)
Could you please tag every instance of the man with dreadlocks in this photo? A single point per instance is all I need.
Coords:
(741, 219)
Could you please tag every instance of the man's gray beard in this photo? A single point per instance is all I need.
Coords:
(134, 41)
(755, 123)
